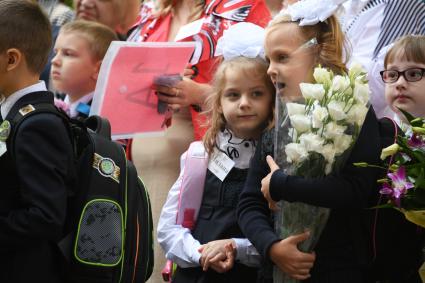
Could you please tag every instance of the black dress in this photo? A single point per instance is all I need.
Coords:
(217, 220)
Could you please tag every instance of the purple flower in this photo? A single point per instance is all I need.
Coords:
(399, 185)
(416, 141)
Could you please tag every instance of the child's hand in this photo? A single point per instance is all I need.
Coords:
(290, 260)
(265, 183)
(227, 264)
(184, 93)
(219, 255)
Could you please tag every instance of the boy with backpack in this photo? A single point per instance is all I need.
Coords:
(36, 158)
(79, 51)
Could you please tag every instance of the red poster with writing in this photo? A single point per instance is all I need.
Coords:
(123, 92)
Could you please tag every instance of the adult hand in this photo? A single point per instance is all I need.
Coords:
(265, 183)
(182, 94)
(290, 260)
(219, 255)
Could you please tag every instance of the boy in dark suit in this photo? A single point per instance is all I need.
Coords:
(36, 164)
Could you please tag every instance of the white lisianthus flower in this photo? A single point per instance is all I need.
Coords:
(356, 69)
(295, 152)
(333, 130)
(357, 114)
(320, 114)
(328, 151)
(322, 76)
(295, 108)
(361, 92)
(312, 91)
(342, 143)
(340, 84)
(336, 110)
(301, 123)
(312, 142)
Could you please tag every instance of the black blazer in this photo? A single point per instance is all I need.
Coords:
(34, 186)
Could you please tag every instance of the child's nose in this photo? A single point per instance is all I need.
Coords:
(56, 60)
(401, 82)
(272, 72)
(87, 3)
(244, 101)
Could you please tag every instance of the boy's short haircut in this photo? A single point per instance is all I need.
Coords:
(24, 26)
(98, 35)
(409, 47)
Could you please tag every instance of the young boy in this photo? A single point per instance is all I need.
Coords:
(79, 50)
(36, 168)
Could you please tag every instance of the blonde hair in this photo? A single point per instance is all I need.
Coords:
(164, 7)
(330, 39)
(409, 47)
(215, 118)
(98, 35)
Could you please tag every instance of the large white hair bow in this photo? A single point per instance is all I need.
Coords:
(310, 12)
(241, 39)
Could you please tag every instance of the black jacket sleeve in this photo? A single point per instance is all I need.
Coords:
(254, 215)
(348, 189)
(43, 154)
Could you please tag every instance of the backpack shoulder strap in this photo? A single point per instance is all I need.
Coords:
(28, 111)
(192, 187)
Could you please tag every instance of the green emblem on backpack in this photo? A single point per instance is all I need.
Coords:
(4, 130)
(106, 167)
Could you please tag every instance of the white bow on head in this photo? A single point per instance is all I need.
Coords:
(241, 39)
(310, 12)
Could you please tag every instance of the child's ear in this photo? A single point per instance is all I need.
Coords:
(14, 58)
(96, 70)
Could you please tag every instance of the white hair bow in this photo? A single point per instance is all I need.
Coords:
(242, 39)
(310, 12)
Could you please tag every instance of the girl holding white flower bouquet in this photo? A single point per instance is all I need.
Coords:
(214, 249)
(331, 131)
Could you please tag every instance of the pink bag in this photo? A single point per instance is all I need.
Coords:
(191, 192)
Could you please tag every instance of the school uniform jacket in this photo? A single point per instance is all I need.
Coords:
(33, 195)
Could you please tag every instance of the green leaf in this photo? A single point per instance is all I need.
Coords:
(406, 114)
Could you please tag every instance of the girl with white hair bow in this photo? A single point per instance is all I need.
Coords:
(207, 243)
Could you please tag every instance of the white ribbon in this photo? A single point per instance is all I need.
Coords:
(310, 12)
(242, 39)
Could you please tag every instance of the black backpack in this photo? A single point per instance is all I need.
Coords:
(394, 245)
(108, 232)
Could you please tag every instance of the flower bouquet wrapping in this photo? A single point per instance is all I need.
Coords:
(313, 137)
(403, 187)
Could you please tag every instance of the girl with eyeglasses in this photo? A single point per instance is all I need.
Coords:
(404, 89)
(403, 76)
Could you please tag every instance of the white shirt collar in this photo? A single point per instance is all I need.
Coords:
(73, 106)
(7, 103)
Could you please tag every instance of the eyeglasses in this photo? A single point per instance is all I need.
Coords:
(410, 75)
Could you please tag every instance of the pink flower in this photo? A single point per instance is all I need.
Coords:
(399, 187)
(416, 141)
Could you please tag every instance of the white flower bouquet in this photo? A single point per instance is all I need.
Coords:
(313, 137)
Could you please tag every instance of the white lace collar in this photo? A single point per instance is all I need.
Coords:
(239, 150)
